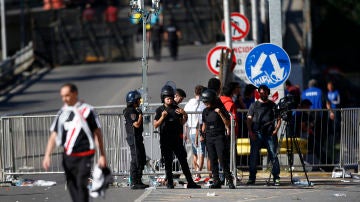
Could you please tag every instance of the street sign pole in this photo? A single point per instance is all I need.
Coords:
(276, 31)
(227, 75)
(3, 30)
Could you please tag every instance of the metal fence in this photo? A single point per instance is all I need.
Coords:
(327, 143)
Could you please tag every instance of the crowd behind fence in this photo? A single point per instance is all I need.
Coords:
(325, 143)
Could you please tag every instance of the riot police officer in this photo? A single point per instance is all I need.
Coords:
(170, 119)
(215, 121)
(134, 128)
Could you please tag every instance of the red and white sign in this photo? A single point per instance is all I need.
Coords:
(213, 59)
(240, 26)
(241, 50)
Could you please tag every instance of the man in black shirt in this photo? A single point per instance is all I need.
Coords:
(76, 128)
(262, 131)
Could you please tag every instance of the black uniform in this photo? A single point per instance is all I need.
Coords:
(216, 142)
(173, 40)
(156, 39)
(135, 141)
(171, 142)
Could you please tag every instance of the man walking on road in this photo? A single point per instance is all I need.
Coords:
(76, 128)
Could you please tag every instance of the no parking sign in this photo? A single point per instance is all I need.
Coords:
(213, 59)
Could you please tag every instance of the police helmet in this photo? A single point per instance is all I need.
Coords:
(208, 95)
(132, 97)
(166, 91)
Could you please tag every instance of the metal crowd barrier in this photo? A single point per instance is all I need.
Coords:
(330, 143)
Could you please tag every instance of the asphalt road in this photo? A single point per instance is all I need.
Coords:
(104, 84)
(324, 189)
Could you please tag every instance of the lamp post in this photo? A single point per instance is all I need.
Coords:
(3, 30)
(138, 6)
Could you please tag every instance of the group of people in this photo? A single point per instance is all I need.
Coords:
(308, 125)
(207, 118)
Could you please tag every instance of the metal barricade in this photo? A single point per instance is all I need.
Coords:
(324, 142)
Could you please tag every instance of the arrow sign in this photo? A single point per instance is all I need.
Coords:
(267, 64)
(256, 70)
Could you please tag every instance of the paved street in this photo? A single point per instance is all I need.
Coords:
(324, 189)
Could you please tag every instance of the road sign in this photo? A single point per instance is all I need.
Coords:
(267, 64)
(240, 26)
(213, 59)
(241, 50)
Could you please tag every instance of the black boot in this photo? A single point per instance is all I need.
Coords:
(193, 185)
(139, 185)
(231, 184)
(170, 184)
(216, 184)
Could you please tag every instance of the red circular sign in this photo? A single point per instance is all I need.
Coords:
(240, 26)
(213, 59)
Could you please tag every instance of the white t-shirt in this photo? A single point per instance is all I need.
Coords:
(191, 107)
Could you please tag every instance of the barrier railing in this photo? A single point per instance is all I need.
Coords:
(325, 143)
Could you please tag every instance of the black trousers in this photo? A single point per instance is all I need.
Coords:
(170, 147)
(77, 172)
(138, 158)
(218, 151)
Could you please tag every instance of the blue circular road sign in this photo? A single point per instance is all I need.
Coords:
(267, 64)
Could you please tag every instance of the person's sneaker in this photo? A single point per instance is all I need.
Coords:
(277, 182)
(197, 179)
(250, 182)
(207, 179)
(193, 185)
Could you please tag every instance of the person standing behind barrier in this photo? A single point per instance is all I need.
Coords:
(88, 14)
(76, 128)
(333, 102)
(170, 121)
(262, 130)
(172, 35)
(215, 121)
(314, 94)
(111, 17)
(156, 34)
(193, 129)
(134, 129)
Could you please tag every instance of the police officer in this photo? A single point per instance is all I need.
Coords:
(172, 35)
(215, 121)
(170, 119)
(134, 128)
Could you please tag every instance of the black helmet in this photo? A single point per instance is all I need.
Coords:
(166, 91)
(132, 97)
(208, 95)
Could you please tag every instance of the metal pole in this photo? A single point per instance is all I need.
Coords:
(227, 75)
(144, 62)
(275, 32)
(227, 24)
(254, 20)
(3, 30)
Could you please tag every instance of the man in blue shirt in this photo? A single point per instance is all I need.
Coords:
(314, 94)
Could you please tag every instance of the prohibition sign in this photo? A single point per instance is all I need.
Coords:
(240, 26)
(213, 59)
